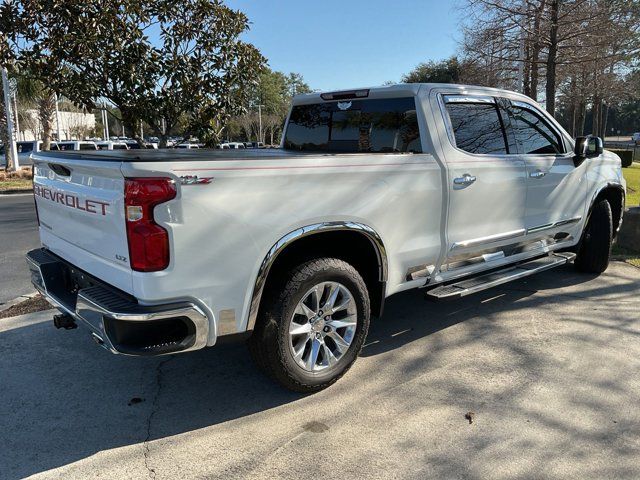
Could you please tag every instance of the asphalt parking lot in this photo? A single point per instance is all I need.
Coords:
(18, 235)
(548, 366)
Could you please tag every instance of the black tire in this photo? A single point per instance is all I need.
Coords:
(269, 343)
(595, 246)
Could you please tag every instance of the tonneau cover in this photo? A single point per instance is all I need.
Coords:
(176, 155)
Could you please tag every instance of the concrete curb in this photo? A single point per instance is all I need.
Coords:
(17, 300)
(13, 192)
(27, 318)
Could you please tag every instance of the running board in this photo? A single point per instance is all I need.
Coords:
(488, 280)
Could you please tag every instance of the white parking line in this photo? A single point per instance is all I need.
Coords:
(14, 194)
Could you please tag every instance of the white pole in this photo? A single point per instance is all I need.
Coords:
(11, 150)
(57, 118)
(141, 132)
(104, 128)
(106, 120)
(105, 123)
(260, 122)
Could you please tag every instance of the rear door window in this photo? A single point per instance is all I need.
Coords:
(371, 125)
(477, 127)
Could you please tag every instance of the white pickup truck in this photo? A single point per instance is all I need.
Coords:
(449, 188)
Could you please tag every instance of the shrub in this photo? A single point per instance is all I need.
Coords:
(626, 156)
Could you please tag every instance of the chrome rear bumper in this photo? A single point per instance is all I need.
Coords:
(116, 320)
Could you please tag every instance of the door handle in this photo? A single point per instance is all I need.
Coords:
(537, 174)
(464, 180)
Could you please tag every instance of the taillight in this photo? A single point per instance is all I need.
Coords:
(148, 241)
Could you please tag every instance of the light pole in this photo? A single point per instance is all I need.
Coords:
(260, 124)
(104, 128)
(11, 148)
(105, 115)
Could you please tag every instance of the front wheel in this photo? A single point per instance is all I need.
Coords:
(314, 327)
(595, 246)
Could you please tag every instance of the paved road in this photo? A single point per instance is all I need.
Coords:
(548, 365)
(18, 235)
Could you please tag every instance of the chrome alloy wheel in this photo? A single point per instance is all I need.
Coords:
(322, 327)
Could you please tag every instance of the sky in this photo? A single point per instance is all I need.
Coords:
(350, 43)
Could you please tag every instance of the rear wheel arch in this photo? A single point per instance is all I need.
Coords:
(355, 243)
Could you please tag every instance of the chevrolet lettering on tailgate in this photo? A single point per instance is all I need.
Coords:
(70, 200)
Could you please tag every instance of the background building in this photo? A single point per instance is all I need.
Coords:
(72, 125)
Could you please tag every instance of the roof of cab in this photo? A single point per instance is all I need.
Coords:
(405, 90)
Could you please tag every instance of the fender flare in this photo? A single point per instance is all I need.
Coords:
(612, 185)
(289, 238)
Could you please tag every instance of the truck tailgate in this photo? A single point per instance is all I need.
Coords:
(81, 213)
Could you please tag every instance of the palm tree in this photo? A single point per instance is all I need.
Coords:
(33, 92)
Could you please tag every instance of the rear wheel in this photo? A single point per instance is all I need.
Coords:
(595, 246)
(314, 326)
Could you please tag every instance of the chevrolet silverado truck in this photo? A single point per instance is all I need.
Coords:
(448, 188)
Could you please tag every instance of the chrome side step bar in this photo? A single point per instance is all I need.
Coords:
(492, 279)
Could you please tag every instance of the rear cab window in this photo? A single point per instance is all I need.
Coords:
(355, 125)
(478, 125)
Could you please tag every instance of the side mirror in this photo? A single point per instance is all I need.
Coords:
(587, 147)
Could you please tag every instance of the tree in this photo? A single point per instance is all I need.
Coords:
(33, 93)
(92, 50)
(85, 50)
(521, 39)
(205, 68)
(273, 91)
(296, 84)
(443, 71)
